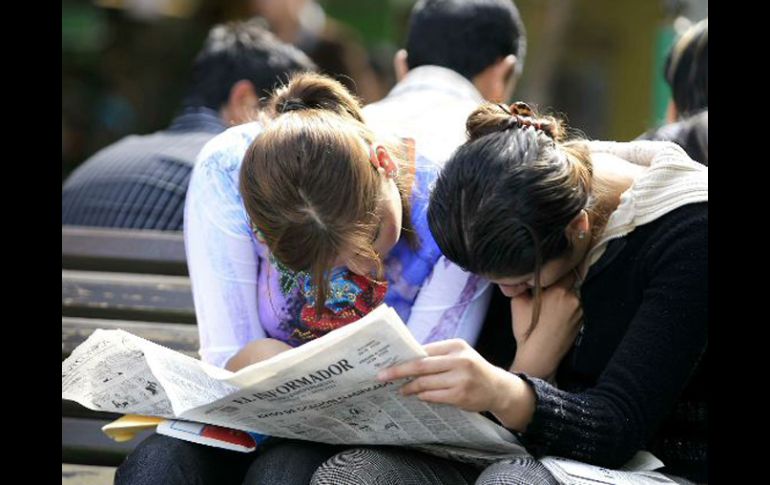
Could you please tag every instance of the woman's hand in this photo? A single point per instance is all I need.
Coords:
(561, 313)
(256, 351)
(454, 373)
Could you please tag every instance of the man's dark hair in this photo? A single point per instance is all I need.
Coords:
(241, 50)
(466, 36)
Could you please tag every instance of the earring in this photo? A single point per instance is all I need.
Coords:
(581, 235)
(393, 173)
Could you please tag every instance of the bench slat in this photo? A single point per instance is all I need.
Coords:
(83, 442)
(180, 337)
(136, 251)
(126, 296)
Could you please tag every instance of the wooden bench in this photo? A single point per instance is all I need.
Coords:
(116, 278)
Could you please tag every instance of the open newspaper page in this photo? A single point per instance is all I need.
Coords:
(325, 390)
(109, 372)
(638, 471)
(118, 372)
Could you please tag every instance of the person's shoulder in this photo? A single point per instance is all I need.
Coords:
(226, 150)
(679, 229)
(425, 163)
(117, 155)
(691, 134)
(696, 213)
(667, 132)
(128, 145)
(374, 111)
(677, 131)
(426, 171)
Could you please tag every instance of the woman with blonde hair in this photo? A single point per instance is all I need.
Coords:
(295, 226)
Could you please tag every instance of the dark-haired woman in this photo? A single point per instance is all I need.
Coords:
(602, 248)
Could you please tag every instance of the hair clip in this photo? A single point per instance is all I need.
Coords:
(522, 109)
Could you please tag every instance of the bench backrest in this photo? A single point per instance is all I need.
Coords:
(127, 250)
(118, 278)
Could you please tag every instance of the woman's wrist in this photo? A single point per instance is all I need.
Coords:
(515, 401)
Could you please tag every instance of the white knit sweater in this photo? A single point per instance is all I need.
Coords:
(671, 181)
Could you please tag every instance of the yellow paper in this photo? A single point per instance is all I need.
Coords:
(126, 427)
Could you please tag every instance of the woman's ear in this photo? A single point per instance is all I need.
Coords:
(242, 104)
(496, 82)
(671, 112)
(381, 159)
(400, 66)
(260, 237)
(579, 227)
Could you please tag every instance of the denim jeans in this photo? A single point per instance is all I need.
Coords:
(163, 460)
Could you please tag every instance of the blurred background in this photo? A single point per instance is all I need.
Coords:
(598, 62)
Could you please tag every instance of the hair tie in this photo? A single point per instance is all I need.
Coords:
(522, 116)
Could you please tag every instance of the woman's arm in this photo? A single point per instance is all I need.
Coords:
(640, 152)
(221, 252)
(539, 351)
(454, 373)
(606, 424)
(256, 351)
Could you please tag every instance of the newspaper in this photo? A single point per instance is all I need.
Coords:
(325, 390)
(638, 471)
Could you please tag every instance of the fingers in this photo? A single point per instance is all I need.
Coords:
(432, 382)
(445, 396)
(417, 367)
(440, 359)
(444, 347)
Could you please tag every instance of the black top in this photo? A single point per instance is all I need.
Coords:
(636, 377)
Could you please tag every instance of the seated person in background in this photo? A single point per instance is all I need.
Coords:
(459, 53)
(140, 182)
(686, 72)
